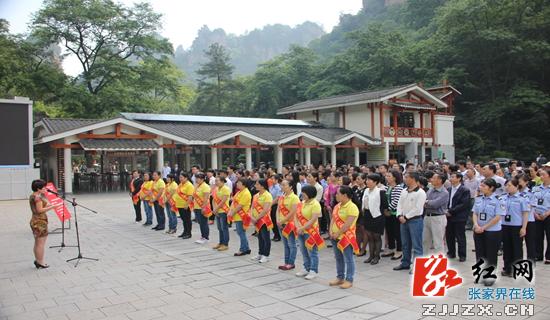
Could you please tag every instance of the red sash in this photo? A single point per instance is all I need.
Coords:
(135, 197)
(266, 220)
(184, 197)
(206, 210)
(144, 190)
(160, 200)
(245, 217)
(348, 238)
(219, 203)
(314, 235)
(170, 201)
(289, 227)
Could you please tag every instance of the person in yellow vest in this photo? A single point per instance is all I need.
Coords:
(286, 212)
(146, 195)
(342, 235)
(184, 199)
(201, 206)
(240, 205)
(158, 202)
(220, 205)
(307, 227)
(261, 218)
(170, 205)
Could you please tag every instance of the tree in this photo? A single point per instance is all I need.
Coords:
(106, 38)
(215, 83)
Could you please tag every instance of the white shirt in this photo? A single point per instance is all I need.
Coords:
(453, 191)
(411, 204)
(166, 171)
(229, 184)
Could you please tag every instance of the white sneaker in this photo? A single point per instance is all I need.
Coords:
(311, 275)
(302, 273)
(201, 241)
(256, 258)
(264, 259)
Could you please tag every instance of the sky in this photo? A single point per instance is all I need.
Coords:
(183, 18)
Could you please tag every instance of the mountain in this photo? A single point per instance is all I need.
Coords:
(248, 50)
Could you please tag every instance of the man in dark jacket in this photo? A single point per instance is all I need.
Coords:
(135, 188)
(457, 215)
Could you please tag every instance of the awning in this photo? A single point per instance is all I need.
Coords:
(119, 144)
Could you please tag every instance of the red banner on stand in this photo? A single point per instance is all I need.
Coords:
(53, 199)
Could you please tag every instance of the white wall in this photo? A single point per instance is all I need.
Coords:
(15, 183)
(358, 119)
(444, 130)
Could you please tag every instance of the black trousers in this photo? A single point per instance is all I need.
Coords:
(455, 231)
(394, 233)
(185, 215)
(542, 229)
(276, 232)
(264, 242)
(487, 245)
(137, 209)
(530, 241)
(325, 220)
(512, 246)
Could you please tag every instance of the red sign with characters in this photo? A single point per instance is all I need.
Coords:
(432, 277)
(54, 199)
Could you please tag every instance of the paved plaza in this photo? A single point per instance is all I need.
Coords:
(143, 274)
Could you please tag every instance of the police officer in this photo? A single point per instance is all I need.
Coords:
(514, 226)
(541, 205)
(487, 213)
(530, 237)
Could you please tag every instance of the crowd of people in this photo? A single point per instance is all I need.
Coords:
(395, 211)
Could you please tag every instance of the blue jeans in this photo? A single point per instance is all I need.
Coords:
(311, 257)
(161, 218)
(172, 218)
(148, 212)
(345, 262)
(203, 224)
(290, 248)
(223, 228)
(242, 235)
(411, 238)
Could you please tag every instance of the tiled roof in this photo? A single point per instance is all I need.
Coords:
(58, 125)
(205, 131)
(339, 100)
(118, 144)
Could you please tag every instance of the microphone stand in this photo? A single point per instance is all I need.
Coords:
(79, 257)
(62, 245)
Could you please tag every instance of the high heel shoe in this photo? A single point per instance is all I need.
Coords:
(39, 266)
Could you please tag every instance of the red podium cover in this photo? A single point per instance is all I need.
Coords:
(56, 200)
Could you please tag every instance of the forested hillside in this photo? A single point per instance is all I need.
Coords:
(246, 51)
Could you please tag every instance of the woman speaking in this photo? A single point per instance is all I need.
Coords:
(39, 221)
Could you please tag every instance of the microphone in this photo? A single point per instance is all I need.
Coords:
(59, 194)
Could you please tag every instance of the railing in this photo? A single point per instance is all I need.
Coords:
(408, 132)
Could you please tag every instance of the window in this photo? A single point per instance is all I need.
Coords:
(330, 118)
(404, 120)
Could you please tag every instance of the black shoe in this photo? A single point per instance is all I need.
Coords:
(276, 239)
(159, 228)
(389, 254)
(462, 259)
(506, 274)
(255, 233)
(155, 227)
(375, 261)
(451, 256)
(547, 262)
(369, 260)
(400, 267)
(146, 224)
(397, 257)
(186, 236)
(181, 235)
(39, 266)
(240, 254)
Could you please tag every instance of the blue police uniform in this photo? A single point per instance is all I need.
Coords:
(488, 242)
(530, 237)
(512, 244)
(540, 202)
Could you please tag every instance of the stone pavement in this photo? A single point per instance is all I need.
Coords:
(143, 274)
